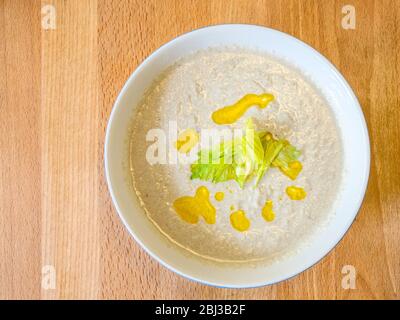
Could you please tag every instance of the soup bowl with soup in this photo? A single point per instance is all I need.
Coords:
(237, 156)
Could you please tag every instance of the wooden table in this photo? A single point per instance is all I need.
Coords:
(57, 90)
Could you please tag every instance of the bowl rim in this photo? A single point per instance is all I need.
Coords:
(340, 77)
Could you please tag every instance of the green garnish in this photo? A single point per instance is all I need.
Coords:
(272, 149)
(242, 158)
(215, 169)
(232, 160)
(287, 161)
(250, 156)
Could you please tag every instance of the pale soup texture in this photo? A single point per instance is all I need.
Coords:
(187, 93)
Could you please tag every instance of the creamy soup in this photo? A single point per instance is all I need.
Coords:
(224, 221)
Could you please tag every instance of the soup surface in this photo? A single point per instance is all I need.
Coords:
(224, 221)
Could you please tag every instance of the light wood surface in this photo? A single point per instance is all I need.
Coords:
(57, 88)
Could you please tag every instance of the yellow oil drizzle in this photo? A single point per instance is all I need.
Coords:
(191, 208)
(232, 113)
(239, 221)
(296, 193)
(219, 196)
(293, 171)
(187, 139)
(267, 212)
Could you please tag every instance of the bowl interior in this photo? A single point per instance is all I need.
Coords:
(321, 73)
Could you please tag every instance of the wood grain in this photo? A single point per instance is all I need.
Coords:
(57, 88)
(69, 149)
(20, 194)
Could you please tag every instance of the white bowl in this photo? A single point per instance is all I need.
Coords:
(332, 85)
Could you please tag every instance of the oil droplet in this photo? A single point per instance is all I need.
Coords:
(232, 207)
(296, 193)
(219, 196)
(267, 212)
(232, 113)
(187, 139)
(239, 221)
(293, 170)
(191, 208)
